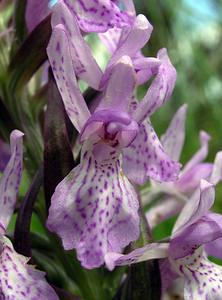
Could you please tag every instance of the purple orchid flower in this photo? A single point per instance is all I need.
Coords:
(4, 155)
(91, 16)
(94, 209)
(177, 193)
(18, 280)
(130, 41)
(185, 254)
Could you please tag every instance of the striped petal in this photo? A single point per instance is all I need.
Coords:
(201, 154)
(150, 251)
(94, 209)
(202, 277)
(132, 39)
(196, 207)
(190, 179)
(18, 279)
(83, 62)
(9, 182)
(60, 58)
(160, 90)
(173, 139)
(145, 158)
(120, 86)
(98, 17)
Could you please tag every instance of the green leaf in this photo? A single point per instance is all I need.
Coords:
(30, 56)
(19, 21)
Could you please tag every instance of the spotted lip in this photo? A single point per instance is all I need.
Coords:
(112, 127)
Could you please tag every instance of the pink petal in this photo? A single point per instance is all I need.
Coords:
(98, 17)
(10, 180)
(84, 64)
(173, 139)
(202, 277)
(19, 280)
(132, 39)
(150, 251)
(190, 179)
(60, 57)
(201, 154)
(95, 208)
(213, 248)
(111, 38)
(120, 86)
(160, 90)
(203, 231)
(146, 67)
(196, 207)
(145, 158)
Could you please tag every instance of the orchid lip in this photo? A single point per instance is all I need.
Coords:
(107, 125)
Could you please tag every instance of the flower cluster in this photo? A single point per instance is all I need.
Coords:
(96, 209)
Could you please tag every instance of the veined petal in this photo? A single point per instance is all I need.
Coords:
(196, 207)
(173, 139)
(18, 280)
(95, 208)
(214, 248)
(82, 59)
(10, 180)
(36, 11)
(61, 61)
(111, 38)
(4, 155)
(202, 277)
(160, 90)
(120, 86)
(145, 158)
(98, 17)
(190, 180)
(216, 175)
(145, 67)
(150, 251)
(132, 39)
(203, 231)
(201, 154)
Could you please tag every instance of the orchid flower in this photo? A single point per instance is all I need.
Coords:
(18, 280)
(95, 208)
(195, 227)
(129, 41)
(90, 17)
(177, 193)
